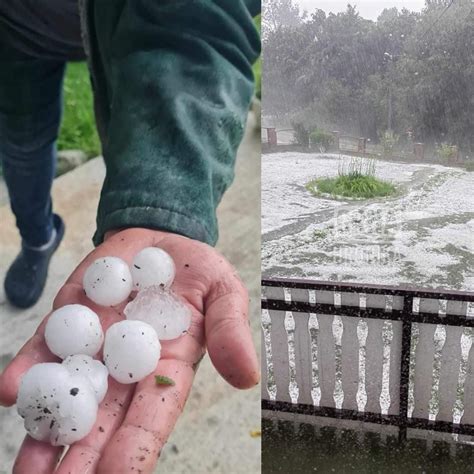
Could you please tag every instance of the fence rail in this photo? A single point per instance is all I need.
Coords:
(386, 355)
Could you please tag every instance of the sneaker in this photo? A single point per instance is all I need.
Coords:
(27, 275)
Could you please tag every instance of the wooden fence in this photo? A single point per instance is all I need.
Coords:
(378, 354)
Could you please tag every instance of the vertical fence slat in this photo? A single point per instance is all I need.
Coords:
(303, 358)
(281, 364)
(373, 365)
(395, 368)
(303, 354)
(326, 358)
(449, 373)
(423, 377)
(350, 362)
(468, 417)
(264, 368)
(350, 352)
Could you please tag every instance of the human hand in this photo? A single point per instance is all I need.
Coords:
(134, 421)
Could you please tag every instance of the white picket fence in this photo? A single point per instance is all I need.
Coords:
(351, 364)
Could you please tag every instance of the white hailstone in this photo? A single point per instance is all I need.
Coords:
(152, 267)
(131, 351)
(93, 370)
(162, 309)
(56, 406)
(73, 329)
(108, 281)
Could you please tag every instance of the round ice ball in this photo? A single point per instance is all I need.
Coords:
(152, 267)
(108, 281)
(131, 351)
(73, 329)
(162, 309)
(93, 370)
(56, 406)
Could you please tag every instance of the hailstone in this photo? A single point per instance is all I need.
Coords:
(152, 267)
(108, 281)
(56, 406)
(93, 370)
(131, 351)
(73, 329)
(163, 310)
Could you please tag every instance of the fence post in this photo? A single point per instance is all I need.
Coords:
(337, 142)
(272, 137)
(361, 145)
(405, 367)
(419, 150)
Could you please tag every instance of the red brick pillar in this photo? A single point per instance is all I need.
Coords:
(419, 150)
(272, 137)
(361, 145)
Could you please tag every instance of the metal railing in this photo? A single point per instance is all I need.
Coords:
(387, 355)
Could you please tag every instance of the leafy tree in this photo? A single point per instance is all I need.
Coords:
(405, 71)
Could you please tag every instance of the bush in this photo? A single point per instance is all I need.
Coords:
(446, 151)
(356, 180)
(321, 139)
(469, 166)
(353, 186)
(389, 141)
(301, 136)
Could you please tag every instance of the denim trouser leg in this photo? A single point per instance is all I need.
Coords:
(30, 113)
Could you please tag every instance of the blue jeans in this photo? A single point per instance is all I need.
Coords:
(30, 112)
(31, 77)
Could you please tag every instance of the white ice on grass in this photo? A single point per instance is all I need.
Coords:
(152, 267)
(131, 351)
(73, 329)
(93, 370)
(56, 406)
(108, 281)
(161, 309)
(420, 235)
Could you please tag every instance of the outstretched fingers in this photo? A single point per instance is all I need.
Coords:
(36, 456)
(149, 421)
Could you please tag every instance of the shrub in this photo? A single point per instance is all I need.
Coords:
(389, 141)
(355, 179)
(446, 151)
(301, 134)
(353, 186)
(321, 140)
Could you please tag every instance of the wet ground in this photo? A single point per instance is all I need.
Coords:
(208, 438)
(304, 448)
(423, 235)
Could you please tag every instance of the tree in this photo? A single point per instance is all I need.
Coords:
(281, 13)
(408, 70)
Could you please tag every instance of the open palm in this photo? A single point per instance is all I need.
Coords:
(134, 421)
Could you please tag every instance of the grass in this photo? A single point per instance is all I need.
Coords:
(257, 67)
(356, 179)
(320, 234)
(78, 130)
(352, 185)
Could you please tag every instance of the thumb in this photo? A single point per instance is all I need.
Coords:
(228, 335)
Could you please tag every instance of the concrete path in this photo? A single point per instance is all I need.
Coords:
(213, 435)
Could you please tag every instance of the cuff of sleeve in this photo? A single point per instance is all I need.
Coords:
(156, 218)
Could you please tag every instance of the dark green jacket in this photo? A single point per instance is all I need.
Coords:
(173, 83)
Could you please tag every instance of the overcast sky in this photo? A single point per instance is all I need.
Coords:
(367, 8)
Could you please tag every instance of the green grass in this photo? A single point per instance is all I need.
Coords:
(352, 185)
(320, 234)
(78, 130)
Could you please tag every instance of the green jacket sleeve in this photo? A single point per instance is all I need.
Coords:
(173, 84)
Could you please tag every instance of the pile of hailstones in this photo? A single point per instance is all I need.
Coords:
(59, 401)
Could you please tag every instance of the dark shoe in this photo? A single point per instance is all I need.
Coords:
(27, 275)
